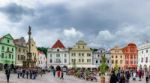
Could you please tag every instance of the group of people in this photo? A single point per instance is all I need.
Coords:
(27, 73)
(120, 77)
(58, 72)
(124, 76)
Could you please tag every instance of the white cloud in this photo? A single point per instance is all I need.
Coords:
(73, 33)
(105, 35)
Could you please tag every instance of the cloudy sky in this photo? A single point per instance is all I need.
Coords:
(101, 23)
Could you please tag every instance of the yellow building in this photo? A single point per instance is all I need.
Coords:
(81, 55)
(117, 57)
(34, 51)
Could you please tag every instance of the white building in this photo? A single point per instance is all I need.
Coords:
(97, 56)
(108, 57)
(58, 55)
(42, 60)
(144, 56)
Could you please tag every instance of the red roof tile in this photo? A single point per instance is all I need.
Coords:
(58, 44)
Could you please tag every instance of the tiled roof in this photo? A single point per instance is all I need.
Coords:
(58, 44)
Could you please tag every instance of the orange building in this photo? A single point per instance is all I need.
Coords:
(131, 56)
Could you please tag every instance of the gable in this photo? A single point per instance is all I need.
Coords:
(7, 40)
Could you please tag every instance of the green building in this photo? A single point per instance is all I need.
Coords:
(7, 50)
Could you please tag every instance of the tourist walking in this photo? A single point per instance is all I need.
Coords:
(127, 74)
(18, 72)
(113, 78)
(54, 72)
(7, 72)
(147, 78)
(27, 73)
(122, 78)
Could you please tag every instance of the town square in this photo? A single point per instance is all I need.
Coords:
(74, 41)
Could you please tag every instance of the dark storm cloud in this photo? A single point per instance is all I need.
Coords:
(15, 12)
(60, 16)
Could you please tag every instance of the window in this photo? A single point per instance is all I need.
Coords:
(131, 57)
(72, 60)
(79, 54)
(50, 55)
(83, 47)
(142, 51)
(3, 48)
(112, 56)
(12, 49)
(50, 60)
(2, 55)
(89, 60)
(83, 54)
(142, 60)
(65, 55)
(146, 59)
(120, 56)
(82, 60)
(57, 55)
(57, 50)
(120, 61)
(19, 50)
(107, 61)
(88, 54)
(79, 60)
(7, 48)
(58, 61)
(131, 62)
(147, 51)
(98, 55)
(65, 60)
(9, 56)
(126, 62)
(7, 41)
(112, 61)
(116, 61)
(96, 61)
(116, 56)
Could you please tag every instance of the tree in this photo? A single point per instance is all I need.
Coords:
(43, 49)
(116, 68)
(103, 67)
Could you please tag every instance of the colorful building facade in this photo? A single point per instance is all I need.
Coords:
(117, 57)
(97, 56)
(131, 56)
(21, 51)
(58, 54)
(81, 55)
(7, 50)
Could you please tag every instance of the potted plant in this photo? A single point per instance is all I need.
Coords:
(103, 68)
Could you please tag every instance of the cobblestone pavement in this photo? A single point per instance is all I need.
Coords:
(48, 78)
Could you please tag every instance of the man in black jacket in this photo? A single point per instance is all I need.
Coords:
(7, 72)
(113, 78)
